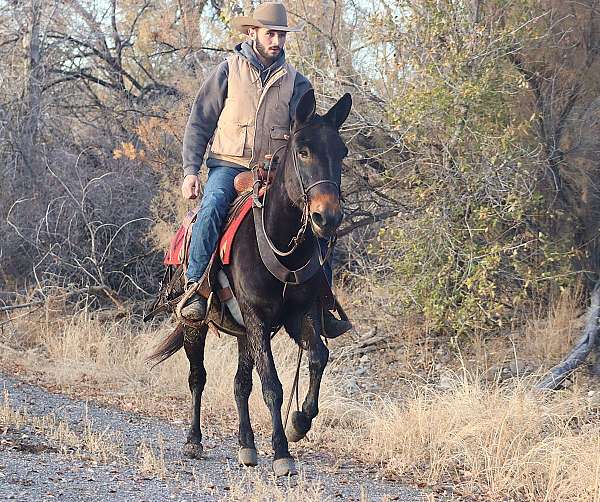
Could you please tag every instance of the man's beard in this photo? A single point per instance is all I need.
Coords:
(262, 50)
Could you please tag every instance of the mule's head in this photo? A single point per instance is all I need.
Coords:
(319, 150)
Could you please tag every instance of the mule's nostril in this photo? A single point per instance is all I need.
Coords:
(318, 219)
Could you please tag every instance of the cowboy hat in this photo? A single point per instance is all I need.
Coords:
(269, 15)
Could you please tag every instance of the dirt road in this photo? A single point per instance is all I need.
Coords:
(70, 450)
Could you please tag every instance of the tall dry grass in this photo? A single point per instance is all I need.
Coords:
(487, 440)
(490, 441)
(552, 333)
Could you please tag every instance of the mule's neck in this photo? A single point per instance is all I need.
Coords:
(283, 213)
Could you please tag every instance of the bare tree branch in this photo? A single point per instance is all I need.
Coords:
(582, 349)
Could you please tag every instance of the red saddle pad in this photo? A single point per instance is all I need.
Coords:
(180, 241)
(174, 254)
(226, 241)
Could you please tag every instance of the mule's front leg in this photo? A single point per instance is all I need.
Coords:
(242, 389)
(260, 343)
(318, 355)
(194, 340)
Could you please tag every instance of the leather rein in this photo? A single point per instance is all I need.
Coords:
(269, 253)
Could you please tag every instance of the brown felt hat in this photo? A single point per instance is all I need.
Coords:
(269, 15)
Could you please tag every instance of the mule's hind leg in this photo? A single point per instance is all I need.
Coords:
(194, 340)
(318, 355)
(242, 389)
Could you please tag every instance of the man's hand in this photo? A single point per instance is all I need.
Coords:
(190, 188)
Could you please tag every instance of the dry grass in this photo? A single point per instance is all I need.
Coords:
(551, 334)
(492, 442)
(107, 361)
(88, 443)
(256, 487)
(489, 441)
(152, 461)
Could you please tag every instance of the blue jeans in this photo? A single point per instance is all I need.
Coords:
(219, 193)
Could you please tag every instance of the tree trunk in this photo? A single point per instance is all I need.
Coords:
(587, 343)
(32, 91)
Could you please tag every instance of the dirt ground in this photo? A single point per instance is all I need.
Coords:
(145, 461)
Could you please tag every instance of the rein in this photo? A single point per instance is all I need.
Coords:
(299, 237)
(269, 253)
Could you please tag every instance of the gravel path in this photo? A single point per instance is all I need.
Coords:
(34, 466)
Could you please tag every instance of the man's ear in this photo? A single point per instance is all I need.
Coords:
(306, 109)
(338, 113)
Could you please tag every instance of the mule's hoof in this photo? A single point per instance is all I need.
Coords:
(193, 450)
(293, 435)
(297, 428)
(248, 457)
(284, 467)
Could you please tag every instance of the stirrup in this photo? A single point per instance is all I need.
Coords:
(190, 291)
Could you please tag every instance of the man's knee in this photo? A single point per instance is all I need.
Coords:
(216, 201)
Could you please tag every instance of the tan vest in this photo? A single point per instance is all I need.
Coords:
(255, 120)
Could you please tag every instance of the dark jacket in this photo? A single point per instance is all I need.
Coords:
(208, 105)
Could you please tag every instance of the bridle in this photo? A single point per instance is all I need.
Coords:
(305, 191)
(299, 237)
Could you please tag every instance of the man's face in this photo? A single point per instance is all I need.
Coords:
(268, 43)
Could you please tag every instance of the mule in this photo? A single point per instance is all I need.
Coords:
(304, 194)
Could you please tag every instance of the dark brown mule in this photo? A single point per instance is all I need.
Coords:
(309, 180)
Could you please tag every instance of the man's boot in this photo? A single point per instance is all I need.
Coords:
(194, 309)
(334, 327)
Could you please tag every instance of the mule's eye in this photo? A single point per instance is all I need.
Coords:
(303, 154)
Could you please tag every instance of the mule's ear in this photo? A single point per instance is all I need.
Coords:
(307, 107)
(338, 113)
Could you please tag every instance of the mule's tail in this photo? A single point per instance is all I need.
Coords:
(168, 346)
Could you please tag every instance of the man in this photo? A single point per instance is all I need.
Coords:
(245, 105)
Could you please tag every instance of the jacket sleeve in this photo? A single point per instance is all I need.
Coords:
(203, 118)
(301, 85)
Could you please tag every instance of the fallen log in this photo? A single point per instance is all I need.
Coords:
(588, 341)
(9, 308)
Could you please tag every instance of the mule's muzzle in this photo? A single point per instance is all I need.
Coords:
(325, 215)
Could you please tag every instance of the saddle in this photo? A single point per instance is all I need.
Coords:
(214, 285)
